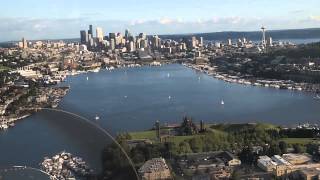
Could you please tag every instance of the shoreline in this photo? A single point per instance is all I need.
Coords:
(260, 82)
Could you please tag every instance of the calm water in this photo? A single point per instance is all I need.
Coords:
(133, 99)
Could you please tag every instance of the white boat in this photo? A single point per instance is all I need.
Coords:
(169, 97)
(168, 75)
(222, 102)
(97, 118)
(317, 97)
(87, 78)
(96, 70)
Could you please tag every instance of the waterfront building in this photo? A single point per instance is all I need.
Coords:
(296, 159)
(266, 163)
(155, 169)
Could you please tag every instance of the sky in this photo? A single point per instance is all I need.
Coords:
(55, 19)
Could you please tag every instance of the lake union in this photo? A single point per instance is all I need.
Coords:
(133, 99)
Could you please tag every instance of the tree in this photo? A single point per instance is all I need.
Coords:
(184, 148)
(274, 150)
(196, 144)
(283, 147)
(297, 148)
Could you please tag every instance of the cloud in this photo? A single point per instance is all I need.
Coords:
(32, 28)
(315, 18)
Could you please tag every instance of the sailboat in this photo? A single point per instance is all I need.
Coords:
(87, 78)
(169, 97)
(168, 75)
(222, 102)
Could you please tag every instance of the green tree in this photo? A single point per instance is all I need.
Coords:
(283, 147)
(184, 148)
(196, 144)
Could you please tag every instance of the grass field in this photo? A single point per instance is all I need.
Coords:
(143, 135)
(302, 141)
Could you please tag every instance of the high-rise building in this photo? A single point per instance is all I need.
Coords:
(24, 43)
(90, 31)
(112, 44)
(201, 41)
(127, 34)
(229, 42)
(142, 36)
(99, 34)
(84, 37)
(270, 41)
(193, 41)
(112, 36)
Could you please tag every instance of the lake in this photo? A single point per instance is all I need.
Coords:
(133, 99)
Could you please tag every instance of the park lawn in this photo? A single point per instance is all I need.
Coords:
(178, 139)
(143, 135)
(302, 141)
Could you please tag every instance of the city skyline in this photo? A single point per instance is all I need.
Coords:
(60, 19)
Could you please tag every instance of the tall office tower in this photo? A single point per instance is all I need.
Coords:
(24, 43)
(193, 41)
(90, 31)
(127, 34)
(201, 41)
(270, 42)
(112, 36)
(229, 42)
(143, 36)
(131, 46)
(263, 36)
(119, 38)
(83, 37)
(155, 41)
(112, 44)
(244, 40)
(99, 34)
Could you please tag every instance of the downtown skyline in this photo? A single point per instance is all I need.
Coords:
(61, 19)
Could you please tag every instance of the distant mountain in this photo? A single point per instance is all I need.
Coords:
(252, 35)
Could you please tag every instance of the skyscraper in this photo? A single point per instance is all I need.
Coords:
(24, 43)
(90, 31)
(83, 37)
(127, 34)
(99, 34)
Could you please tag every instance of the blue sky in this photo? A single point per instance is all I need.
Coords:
(38, 19)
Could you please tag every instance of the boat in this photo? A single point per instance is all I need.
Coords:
(169, 97)
(168, 75)
(125, 96)
(87, 78)
(222, 102)
(317, 97)
(97, 117)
